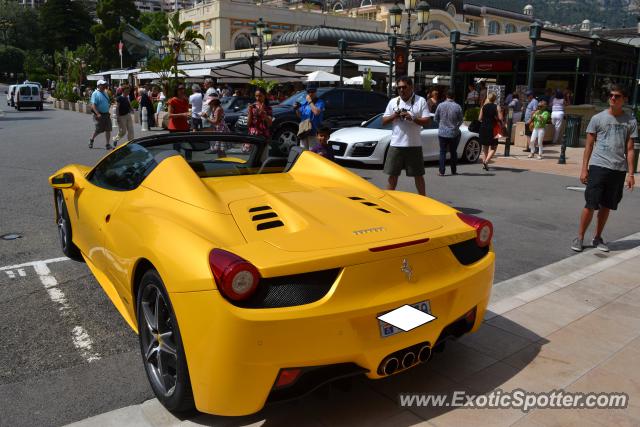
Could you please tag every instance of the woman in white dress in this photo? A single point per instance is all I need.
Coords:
(557, 114)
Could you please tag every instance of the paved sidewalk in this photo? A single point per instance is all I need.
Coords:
(573, 325)
(518, 159)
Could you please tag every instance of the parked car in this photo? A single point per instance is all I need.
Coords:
(234, 107)
(252, 280)
(343, 108)
(10, 92)
(28, 96)
(369, 142)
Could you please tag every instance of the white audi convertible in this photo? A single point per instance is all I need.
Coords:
(369, 143)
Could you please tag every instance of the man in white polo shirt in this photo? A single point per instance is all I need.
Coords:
(408, 113)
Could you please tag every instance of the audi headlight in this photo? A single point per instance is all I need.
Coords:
(366, 144)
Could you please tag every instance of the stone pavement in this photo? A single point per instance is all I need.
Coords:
(549, 164)
(573, 325)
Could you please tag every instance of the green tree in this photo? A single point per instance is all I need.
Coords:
(11, 60)
(36, 64)
(164, 68)
(113, 16)
(64, 23)
(154, 24)
(181, 37)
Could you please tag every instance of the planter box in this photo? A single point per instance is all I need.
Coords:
(82, 107)
(72, 106)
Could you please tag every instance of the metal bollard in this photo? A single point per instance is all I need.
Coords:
(507, 143)
(145, 120)
(114, 117)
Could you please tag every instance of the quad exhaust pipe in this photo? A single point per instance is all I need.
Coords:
(404, 359)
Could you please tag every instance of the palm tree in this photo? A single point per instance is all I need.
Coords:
(162, 66)
(181, 35)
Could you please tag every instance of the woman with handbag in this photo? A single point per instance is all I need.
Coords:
(216, 124)
(490, 121)
(539, 120)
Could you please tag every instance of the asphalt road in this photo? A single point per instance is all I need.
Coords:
(66, 353)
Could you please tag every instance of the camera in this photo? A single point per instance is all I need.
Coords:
(400, 111)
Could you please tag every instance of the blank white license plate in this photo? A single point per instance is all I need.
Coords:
(386, 330)
(336, 147)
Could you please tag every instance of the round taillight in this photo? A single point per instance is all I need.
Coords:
(237, 278)
(484, 228)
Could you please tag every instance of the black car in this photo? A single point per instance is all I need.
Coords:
(234, 107)
(343, 108)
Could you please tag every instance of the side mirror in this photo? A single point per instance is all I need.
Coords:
(63, 180)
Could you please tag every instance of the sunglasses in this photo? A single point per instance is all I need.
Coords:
(615, 95)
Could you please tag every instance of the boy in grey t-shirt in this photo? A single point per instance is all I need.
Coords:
(608, 156)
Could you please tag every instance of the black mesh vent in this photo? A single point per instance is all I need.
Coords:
(384, 210)
(369, 203)
(264, 216)
(356, 198)
(341, 148)
(269, 224)
(289, 291)
(363, 151)
(260, 208)
(468, 252)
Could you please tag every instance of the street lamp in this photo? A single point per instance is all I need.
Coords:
(422, 12)
(392, 42)
(260, 36)
(454, 38)
(535, 32)
(342, 47)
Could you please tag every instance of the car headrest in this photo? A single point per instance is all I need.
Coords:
(293, 157)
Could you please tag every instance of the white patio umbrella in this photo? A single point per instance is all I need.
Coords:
(322, 76)
(357, 81)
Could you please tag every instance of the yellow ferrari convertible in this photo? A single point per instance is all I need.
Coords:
(251, 279)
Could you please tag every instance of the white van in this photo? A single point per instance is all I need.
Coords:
(28, 96)
(10, 93)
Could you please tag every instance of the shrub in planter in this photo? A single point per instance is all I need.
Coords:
(472, 114)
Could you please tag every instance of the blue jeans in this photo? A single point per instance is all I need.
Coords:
(451, 145)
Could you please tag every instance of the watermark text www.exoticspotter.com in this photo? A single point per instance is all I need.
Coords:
(517, 399)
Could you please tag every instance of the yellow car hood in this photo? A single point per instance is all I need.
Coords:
(322, 219)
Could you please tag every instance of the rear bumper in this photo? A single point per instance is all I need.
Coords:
(28, 104)
(234, 355)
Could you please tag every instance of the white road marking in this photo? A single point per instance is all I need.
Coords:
(11, 274)
(32, 263)
(21, 272)
(81, 339)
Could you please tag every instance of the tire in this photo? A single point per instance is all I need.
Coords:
(471, 152)
(161, 347)
(285, 138)
(65, 232)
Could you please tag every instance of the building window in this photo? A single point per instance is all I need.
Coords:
(510, 28)
(242, 42)
(338, 7)
(473, 26)
(365, 3)
(494, 27)
(208, 41)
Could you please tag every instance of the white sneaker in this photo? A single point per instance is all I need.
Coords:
(539, 157)
(530, 156)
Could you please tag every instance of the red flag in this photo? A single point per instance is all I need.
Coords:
(120, 46)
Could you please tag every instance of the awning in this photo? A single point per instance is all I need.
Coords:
(370, 64)
(241, 73)
(147, 75)
(103, 74)
(316, 65)
(207, 65)
(282, 61)
(124, 74)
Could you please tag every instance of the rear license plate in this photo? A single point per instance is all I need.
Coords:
(386, 330)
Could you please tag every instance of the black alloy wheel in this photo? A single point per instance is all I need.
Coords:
(285, 138)
(161, 346)
(64, 230)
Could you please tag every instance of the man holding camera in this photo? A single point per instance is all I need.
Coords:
(312, 109)
(408, 113)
